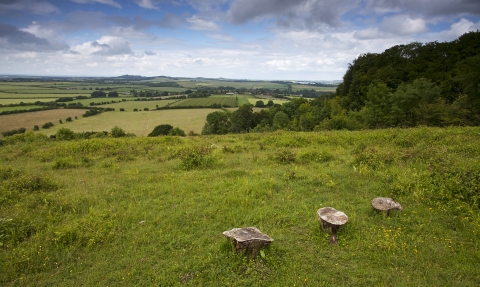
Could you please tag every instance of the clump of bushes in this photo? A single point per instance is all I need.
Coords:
(14, 132)
(166, 130)
(47, 125)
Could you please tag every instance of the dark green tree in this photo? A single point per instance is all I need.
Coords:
(160, 130)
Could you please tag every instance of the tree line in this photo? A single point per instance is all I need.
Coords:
(432, 84)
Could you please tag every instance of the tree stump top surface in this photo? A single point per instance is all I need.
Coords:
(385, 204)
(247, 234)
(332, 216)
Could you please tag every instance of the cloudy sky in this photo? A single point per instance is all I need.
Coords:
(240, 39)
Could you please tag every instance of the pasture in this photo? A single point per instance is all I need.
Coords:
(28, 120)
(151, 211)
(140, 123)
(206, 102)
(297, 87)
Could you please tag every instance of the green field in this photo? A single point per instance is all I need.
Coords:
(206, 102)
(29, 107)
(151, 211)
(296, 87)
(215, 84)
(140, 123)
(130, 105)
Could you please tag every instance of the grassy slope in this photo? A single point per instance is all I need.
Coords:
(145, 211)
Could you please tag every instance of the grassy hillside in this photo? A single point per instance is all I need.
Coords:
(151, 211)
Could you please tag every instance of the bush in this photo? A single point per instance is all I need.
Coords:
(69, 119)
(14, 132)
(117, 132)
(36, 128)
(285, 156)
(198, 157)
(60, 121)
(145, 109)
(161, 130)
(65, 134)
(47, 125)
(122, 109)
(176, 132)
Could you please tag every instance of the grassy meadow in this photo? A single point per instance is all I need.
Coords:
(151, 211)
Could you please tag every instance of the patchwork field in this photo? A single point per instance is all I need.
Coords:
(28, 120)
(140, 123)
(205, 102)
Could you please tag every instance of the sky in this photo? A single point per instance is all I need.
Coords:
(309, 40)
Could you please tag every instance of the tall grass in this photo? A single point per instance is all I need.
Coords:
(151, 211)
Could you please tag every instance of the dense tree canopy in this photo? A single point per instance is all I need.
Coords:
(434, 84)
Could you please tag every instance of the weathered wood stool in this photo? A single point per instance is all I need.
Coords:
(249, 239)
(331, 220)
(385, 204)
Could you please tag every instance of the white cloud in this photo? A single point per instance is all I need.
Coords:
(147, 4)
(202, 24)
(29, 6)
(106, 2)
(403, 25)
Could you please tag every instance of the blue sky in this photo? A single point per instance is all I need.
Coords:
(239, 39)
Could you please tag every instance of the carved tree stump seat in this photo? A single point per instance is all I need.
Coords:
(385, 204)
(249, 239)
(331, 220)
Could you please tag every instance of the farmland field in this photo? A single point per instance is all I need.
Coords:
(296, 87)
(140, 123)
(130, 104)
(206, 102)
(237, 85)
(28, 120)
(26, 107)
(265, 101)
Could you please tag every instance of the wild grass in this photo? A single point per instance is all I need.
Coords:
(151, 211)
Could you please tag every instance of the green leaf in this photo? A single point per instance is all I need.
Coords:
(262, 253)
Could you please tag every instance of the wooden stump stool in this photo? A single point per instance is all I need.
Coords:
(331, 220)
(385, 204)
(249, 239)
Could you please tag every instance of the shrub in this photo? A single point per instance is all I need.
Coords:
(161, 130)
(145, 109)
(14, 132)
(285, 156)
(36, 128)
(47, 125)
(117, 132)
(69, 119)
(122, 109)
(65, 134)
(60, 121)
(198, 157)
(177, 132)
